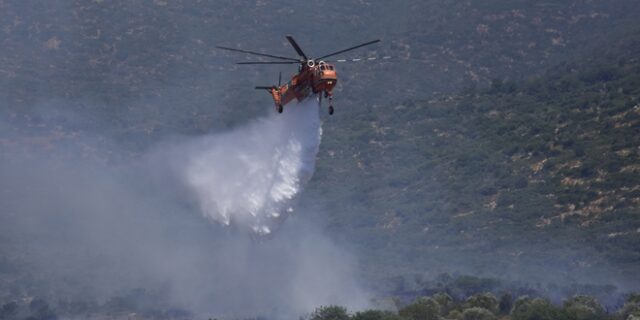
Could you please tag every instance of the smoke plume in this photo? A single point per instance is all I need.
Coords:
(76, 228)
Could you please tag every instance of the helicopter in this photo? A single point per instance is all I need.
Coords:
(315, 75)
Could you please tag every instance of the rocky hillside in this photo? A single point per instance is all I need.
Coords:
(540, 175)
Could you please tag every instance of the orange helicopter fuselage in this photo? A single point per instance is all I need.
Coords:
(320, 78)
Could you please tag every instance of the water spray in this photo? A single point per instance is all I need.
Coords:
(250, 176)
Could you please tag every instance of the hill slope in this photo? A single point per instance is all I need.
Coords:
(539, 177)
(141, 71)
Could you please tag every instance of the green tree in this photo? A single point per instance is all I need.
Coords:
(375, 315)
(40, 310)
(444, 301)
(476, 313)
(330, 313)
(631, 308)
(454, 315)
(583, 308)
(9, 310)
(506, 303)
(421, 309)
(526, 308)
(483, 300)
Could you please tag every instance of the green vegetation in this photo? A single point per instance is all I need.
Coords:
(330, 312)
(421, 309)
(137, 303)
(524, 308)
(438, 306)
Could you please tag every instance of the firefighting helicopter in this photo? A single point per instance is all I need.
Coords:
(315, 76)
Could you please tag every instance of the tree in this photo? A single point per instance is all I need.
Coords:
(476, 313)
(9, 310)
(506, 303)
(483, 300)
(421, 309)
(631, 308)
(40, 310)
(455, 315)
(583, 308)
(330, 313)
(375, 315)
(445, 301)
(526, 308)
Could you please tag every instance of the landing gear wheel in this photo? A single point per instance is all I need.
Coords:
(280, 109)
(330, 110)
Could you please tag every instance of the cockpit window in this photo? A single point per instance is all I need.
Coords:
(321, 67)
(330, 67)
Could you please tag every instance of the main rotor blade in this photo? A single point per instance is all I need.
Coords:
(269, 62)
(258, 53)
(349, 49)
(295, 46)
(360, 59)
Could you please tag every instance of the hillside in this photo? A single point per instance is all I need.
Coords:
(499, 148)
(537, 177)
(142, 71)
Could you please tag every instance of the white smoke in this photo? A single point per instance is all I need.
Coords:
(249, 176)
(87, 228)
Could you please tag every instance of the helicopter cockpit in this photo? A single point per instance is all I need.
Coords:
(326, 71)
